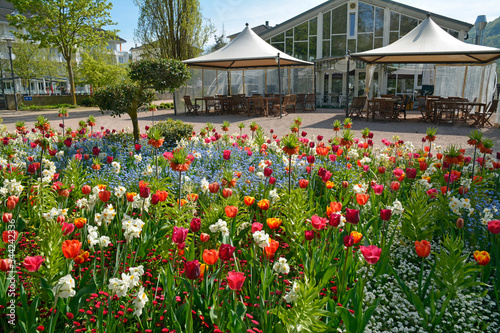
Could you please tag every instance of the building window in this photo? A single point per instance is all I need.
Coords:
(352, 24)
(366, 18)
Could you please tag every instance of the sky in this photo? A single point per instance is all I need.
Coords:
(231, 15)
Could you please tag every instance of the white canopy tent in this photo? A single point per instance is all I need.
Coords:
(248, 65)
(429, 43)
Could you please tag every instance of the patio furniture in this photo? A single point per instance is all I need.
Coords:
(212, 103)
(301, 102)
(310, 103)
(257, 105)
(191, 109)
(382, 108)
(284, 105)
(292, 103)
(239, 104)
(445, 110)
(483, 118)
(357, 106)
(427, 114)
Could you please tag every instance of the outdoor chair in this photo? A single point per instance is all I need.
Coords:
(258, 106)
(424, 111)
(284, 105)
(446, 110)
(240, 104)
(357, 106)
(191, 109)
(380, 108)
(292, 104)
(402, 107)
(483, 118)
(310, 103)
(213, 104)
(301, 102)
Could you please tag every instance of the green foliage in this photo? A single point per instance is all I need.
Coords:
(65, 25)
(453, 273)
(99, 68)
(172, 29)
(173, 131)
(45, 107)
(159, 74)
(119, 99)
(31, 61)
(88, 101)
(418, 220)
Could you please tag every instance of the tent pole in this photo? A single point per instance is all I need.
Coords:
(279, 82)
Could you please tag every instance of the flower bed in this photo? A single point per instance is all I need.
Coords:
(248, 232)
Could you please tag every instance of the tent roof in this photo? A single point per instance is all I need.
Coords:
(245, 51)
(428, 43)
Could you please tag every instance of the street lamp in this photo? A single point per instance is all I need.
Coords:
(480, 24)
(9, 45)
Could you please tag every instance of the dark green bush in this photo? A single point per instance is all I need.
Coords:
(87, 102)
(174, 130)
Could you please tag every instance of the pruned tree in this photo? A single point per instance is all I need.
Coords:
(148, 76)
(66, 25)
(172, 28)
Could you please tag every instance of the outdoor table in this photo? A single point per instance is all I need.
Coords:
(467, 107)
(222, 100)
(268, 101)
(479, 112)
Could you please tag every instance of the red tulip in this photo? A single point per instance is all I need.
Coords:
(192, 269)
(309, 234)
(231, 211)
(6, 217)
(256, 226)
(86, 189)
(95, 151)
(494, 227)
(378, 189)
(395, 186)
(179, 235)
(162, 195)
(268, 172)
(10, 236)
(318, 223)
(371, 253)
(385, 214)
(155, 199)
(5, 265)
(195, 224)
(362, 199)
(33, 167)
(272, 180)
(352, 216)
(411, 173)
(144, 192)
(345, 184)
(235, 280)
(104, 195)
(226, 154)
(71, 248)
(67, 228)
(381, 170)
(423, 248)
(432, 193)
(348, 241)
(226, 251)
(482, 257)
(334, 220)
(214, 187)
(33, 264)
(109, 159)
(227, 192)
(303, 183)
(204, 237)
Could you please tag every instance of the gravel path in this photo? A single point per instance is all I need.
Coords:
(317, 123)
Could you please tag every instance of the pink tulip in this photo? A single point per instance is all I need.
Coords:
(371, 253)
(33, 264)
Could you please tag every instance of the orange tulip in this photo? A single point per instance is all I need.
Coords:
(330, 185)
(202, 270)
(210, 257)
(482, 257)
(162, 195)
(274, 223)
(249, 200)
(231, 211)
(71, 248)
(183, 202)
(334, 208)
(423, 248)
(362, 199)
(105, 195)
(357, 236)
(80, 222)
(263, 204)
(81, 257)
(130, 196)
(270, 250)
(192, 197)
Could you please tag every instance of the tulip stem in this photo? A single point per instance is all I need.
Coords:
(449, 178)
(289, 173)
(180, 183)
(474, 161)
(189, 319)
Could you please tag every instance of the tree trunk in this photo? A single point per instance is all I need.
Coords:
(71, 79)
(135, 122)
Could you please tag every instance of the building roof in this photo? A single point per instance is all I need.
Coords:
(429, 43)
(247, 50)
(260, 29)
(393, 5)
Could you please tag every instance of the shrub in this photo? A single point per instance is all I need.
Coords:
(45, 107)
(174, 130)
(88, 101)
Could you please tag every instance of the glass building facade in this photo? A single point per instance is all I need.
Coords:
(326, 33)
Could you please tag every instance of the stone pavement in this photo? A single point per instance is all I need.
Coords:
(317, 123)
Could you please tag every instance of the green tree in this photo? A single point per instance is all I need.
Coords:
(219, 42)
(31, 62)
(172, 28)
(147, 75)
(99, 68)
(66, 25)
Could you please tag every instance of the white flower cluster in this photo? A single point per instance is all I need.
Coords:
(383, 159)
(273, 195)
(465, 182)
(220, 226)
(49, 169)
(107, 215)
(141, 298)
(293, 295)
(65, 287)
(365, 160)
(261, 238)
(12, 187)
(82, 203)
(281, 266)
(353, 154)
(148, 171)
(120, 191)
(60, 154)
(360, 188)
(128, 281)
(54, 213)
(116, 167)
(397, 207)
(132, 227)
(140, 203)
(489, 214)
(204, 185)
(94, 239)
(424, 183)
(137, 159)
(457, 204)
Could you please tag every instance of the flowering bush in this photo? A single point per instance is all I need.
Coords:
(229, 233)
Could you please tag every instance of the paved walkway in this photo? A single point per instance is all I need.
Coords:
(317, 123)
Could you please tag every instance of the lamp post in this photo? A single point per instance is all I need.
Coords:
(9, 45)
(480, 24)
(348, 58)
(279, 81)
